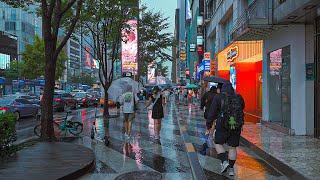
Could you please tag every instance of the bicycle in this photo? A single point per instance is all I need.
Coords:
(74, 128)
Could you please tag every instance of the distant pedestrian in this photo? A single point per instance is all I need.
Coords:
(185, 96)
(227, 108)
(166, 95)
(157, 102)
(205, 104)
(128, 100)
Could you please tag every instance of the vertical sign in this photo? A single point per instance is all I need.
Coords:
(88, 58)
(129, 53)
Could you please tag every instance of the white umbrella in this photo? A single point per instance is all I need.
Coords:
(121, 86)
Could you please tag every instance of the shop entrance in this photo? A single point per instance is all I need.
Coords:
(317, 79)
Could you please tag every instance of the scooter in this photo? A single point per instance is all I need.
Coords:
(94, 134)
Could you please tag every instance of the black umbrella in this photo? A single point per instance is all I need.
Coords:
(215, 79)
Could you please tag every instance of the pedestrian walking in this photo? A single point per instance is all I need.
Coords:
(227, 109)
(166, 95)
(129, 100)
(157, 102)
(205, 104)
(185, 96)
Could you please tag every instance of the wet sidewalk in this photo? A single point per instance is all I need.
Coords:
(168, 157)
(297, 153)
(48, 161)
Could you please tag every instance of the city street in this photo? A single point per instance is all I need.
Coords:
(167, 156)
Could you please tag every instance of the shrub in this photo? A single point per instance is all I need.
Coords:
(7, 134)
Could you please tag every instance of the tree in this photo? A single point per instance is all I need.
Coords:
(161, 70)
(154, 42)
(15, 71)
(34, 58)
(105, 21)
(85, 79)
(56, 14)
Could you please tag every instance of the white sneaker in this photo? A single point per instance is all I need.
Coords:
(231, 171)
(224, 166)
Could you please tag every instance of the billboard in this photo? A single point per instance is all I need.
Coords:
(151, 73)
(88, 58)
(129, 53)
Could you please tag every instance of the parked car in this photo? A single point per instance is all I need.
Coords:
(63, 101)
(83, 99)
(18, 106)
(31, 99)
(77, 90)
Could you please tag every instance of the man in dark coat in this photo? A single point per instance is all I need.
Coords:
(222, 136)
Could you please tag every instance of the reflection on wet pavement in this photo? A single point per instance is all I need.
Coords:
(167, 156)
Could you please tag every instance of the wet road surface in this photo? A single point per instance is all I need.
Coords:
(167, 156)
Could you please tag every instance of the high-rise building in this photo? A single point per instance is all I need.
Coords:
(24, 25)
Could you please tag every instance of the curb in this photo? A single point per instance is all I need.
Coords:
(272, 161)
(80, 172)
(196, 169)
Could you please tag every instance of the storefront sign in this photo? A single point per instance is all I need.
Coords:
(200, 20)
(199, 40)
(204, 66)
(213, 67)
(183, 55)
(232, 54)
(129, 52)
(192, 47)
(200, 50)
(206, 56)
(310, 71)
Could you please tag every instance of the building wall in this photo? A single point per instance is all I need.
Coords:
(309, 84)
(279, 40)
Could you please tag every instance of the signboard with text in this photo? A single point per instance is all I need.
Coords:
(206, 56)
(129, 53)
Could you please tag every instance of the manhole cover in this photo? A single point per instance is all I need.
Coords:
(140, 175)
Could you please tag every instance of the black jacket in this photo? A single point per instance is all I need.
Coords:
(216, 103)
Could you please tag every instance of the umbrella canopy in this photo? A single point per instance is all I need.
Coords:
(215, 79)
(121, 86)
(191, 86)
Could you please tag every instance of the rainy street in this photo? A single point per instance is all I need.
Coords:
(167, 157)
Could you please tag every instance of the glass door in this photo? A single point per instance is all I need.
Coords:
(280, 86)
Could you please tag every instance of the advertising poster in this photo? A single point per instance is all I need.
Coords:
(129, 53)
(233, 77)
(88, 58)
(151, 73)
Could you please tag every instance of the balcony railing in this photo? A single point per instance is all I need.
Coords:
(256, 16)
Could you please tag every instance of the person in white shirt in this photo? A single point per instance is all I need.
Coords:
(128, 100)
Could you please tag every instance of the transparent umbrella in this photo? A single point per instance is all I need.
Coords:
(121, 86)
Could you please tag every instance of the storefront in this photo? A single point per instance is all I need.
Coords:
(241, 63)
(317, 79)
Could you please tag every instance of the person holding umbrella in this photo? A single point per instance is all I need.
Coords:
(157, 101)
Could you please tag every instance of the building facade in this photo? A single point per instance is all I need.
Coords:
(269, 50)
(20, 23)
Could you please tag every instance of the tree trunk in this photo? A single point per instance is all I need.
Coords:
(106, 104)
(47, 104)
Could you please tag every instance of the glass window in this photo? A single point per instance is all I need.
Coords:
(13, 14)
(280, 86)
(67, 95)
(3, 14)
(10, 26)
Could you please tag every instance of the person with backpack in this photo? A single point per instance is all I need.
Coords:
(157, 101)
(206, 101)
(129, 100)
(227, 111)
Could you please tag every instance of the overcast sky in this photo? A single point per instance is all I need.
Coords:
(167, 7)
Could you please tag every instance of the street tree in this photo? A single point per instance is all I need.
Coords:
(85, 79)
(154, 40)
(15, 71)
(104, 21)
(56, 15)
(34, 60)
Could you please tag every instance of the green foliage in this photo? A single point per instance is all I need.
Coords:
(34, 58)
(16, 70)
(104, 21)
(7, 134)
(85, 80)
(154, 41)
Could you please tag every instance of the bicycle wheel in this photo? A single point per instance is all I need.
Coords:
(37, 130)
(78, 128)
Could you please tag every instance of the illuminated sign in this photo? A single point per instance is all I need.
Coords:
(129, 53)
(183, 55)
(151, 73)
(232, 54)
(192, 47)
(206, 56)
(88, 58)
(204, 66)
